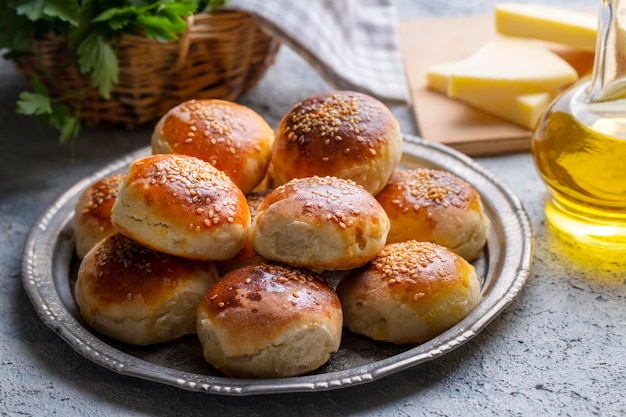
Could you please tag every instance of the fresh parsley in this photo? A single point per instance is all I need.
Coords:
(92, 28)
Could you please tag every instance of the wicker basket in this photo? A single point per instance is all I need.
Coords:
(221, 55)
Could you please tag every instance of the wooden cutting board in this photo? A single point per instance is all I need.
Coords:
(426, 42)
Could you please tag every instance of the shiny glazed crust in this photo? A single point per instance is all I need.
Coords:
(269, 320)
(410, 293)
(139, 296)
(322, 223)
(435, 206)
(341, 133)
(183, 206)
(230, 136)
(92, 214)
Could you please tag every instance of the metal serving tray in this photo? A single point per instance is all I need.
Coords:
(50, 265)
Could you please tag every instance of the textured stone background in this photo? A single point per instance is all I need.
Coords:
(557, 350)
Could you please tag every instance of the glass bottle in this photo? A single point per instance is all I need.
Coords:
(579, 145)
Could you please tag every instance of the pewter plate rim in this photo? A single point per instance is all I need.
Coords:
(504, 266)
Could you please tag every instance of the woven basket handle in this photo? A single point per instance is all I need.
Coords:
(183, 46)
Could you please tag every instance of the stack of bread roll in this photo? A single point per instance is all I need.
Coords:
(229, 231)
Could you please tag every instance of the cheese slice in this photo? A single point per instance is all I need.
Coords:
(438, 76)
(523, 110)
(509, 67)
(569, 27)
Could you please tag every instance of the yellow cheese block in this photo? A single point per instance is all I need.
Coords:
(524, 110)
(565, 26)
(508, 67)
(437, 76)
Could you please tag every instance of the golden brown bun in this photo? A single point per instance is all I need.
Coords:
(269, 320)
(435, 206)
(410, 293)
(322, 223)
(92, 214)
(232, 137)
(182, 206)
(247, 255)
(139, 296)
(342, 134)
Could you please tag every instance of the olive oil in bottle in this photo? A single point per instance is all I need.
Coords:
(579, 145)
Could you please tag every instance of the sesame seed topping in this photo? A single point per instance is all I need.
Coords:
(103, 191)
(129, 254)
(420, 188)
(406, 261)
(285, 274)
(208, 189)
(336, 200)
(326, 115)
(213, 118)
(418, 295)
(254, 200)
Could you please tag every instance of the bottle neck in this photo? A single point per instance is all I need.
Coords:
(608, 81)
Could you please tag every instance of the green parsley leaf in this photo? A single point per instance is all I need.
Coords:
(178, 9)
(38, 86)
(76, 34)
(159, 28)
(117, 17)
(66, 10)
(14, 32)
(97, 58)
(65, 122)
(60, 112)
(33, 103)
(91, 27)
(33, 9)
(69, 129)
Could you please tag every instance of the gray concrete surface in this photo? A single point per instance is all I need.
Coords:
(557, 350)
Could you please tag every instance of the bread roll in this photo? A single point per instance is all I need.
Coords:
(435, 206)
(269, 320)
(232, 137)
(342, 134)
(92, 214)
(182, 206)
(322, 223)
(410, 293)
(139, 296)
